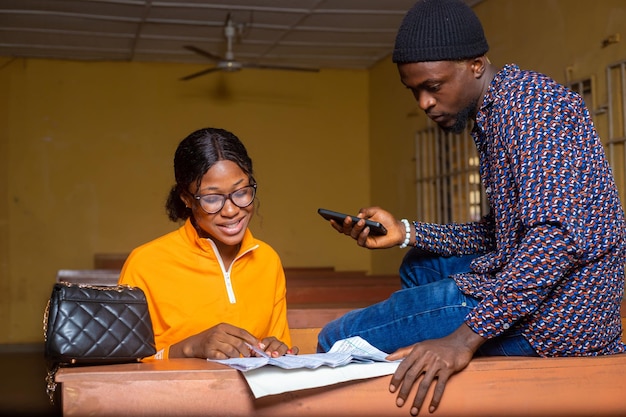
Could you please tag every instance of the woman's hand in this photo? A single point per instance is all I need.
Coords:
(275, 348)
(225, 341)
(222, 341)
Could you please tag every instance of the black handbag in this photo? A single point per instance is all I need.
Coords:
(88, 325)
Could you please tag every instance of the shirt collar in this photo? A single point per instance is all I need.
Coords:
(492, 91)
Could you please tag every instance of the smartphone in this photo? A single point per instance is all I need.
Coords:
(376, 228)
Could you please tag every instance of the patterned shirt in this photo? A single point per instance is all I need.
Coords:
(553, 244)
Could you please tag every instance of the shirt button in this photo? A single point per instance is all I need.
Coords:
(488, 190)
(464, 304)
(506, 326)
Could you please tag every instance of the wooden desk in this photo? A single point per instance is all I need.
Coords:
(488, 387)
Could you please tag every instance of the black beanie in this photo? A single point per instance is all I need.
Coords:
(439, 30)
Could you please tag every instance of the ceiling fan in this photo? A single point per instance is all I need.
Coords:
(228, 62)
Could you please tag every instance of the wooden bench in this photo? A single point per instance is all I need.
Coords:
(315, 295)
(89, 276)
(109, 260)
(365, 294)
(305, 339)
(315, 315)
(487, 387)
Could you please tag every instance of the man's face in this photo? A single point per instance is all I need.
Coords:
(447, 91)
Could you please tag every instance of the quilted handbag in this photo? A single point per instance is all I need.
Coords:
(86, 324)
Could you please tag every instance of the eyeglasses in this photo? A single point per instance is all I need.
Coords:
(213, 203)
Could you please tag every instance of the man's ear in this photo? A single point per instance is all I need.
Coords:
(479, 66)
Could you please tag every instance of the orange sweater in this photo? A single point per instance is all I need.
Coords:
(189, 291)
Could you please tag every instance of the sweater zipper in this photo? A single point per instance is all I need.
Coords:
(229, 287)
(227, 281)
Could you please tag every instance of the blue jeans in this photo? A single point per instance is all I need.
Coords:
(429, 306)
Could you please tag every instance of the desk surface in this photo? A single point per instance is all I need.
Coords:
(489, 386)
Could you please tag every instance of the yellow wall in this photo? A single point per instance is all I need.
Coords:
(87, 153)
(86, 148)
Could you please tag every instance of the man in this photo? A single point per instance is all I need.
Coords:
(543, 273)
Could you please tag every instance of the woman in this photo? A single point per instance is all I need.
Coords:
(214, 291)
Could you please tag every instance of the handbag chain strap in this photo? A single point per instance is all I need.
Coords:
(118, 287)
(52, 368)
(46, 312)
(51, 384)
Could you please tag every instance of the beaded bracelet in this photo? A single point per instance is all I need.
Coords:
(407, 238)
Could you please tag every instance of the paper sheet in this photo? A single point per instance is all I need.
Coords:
(348, 359)
(271, 380)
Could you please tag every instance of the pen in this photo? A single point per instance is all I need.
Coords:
(256, 350)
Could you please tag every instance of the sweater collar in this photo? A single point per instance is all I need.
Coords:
(248, 243)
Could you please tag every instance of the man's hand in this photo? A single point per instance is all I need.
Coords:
(360, 232)
(432, 361)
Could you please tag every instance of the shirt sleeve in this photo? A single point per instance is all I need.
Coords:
(456, 238)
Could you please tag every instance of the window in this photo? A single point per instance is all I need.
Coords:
(447, 177)
(585, 89)
(616, 121)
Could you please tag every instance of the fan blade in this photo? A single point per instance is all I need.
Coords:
(197, 74)
(203, 52)
(279, 67)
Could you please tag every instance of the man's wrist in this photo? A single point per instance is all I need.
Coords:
(468, 337)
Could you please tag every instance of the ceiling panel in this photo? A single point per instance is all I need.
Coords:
(311, 33)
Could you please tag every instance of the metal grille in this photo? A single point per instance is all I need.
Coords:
(447, 177)
(616, 120)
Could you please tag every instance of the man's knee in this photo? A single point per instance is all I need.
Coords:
(418, 268)
(324, 342)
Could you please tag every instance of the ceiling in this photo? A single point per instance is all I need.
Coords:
(303, 33)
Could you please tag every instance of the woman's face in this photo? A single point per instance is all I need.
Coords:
(228, 225)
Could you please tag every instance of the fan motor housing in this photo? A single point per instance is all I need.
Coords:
(230, 66)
